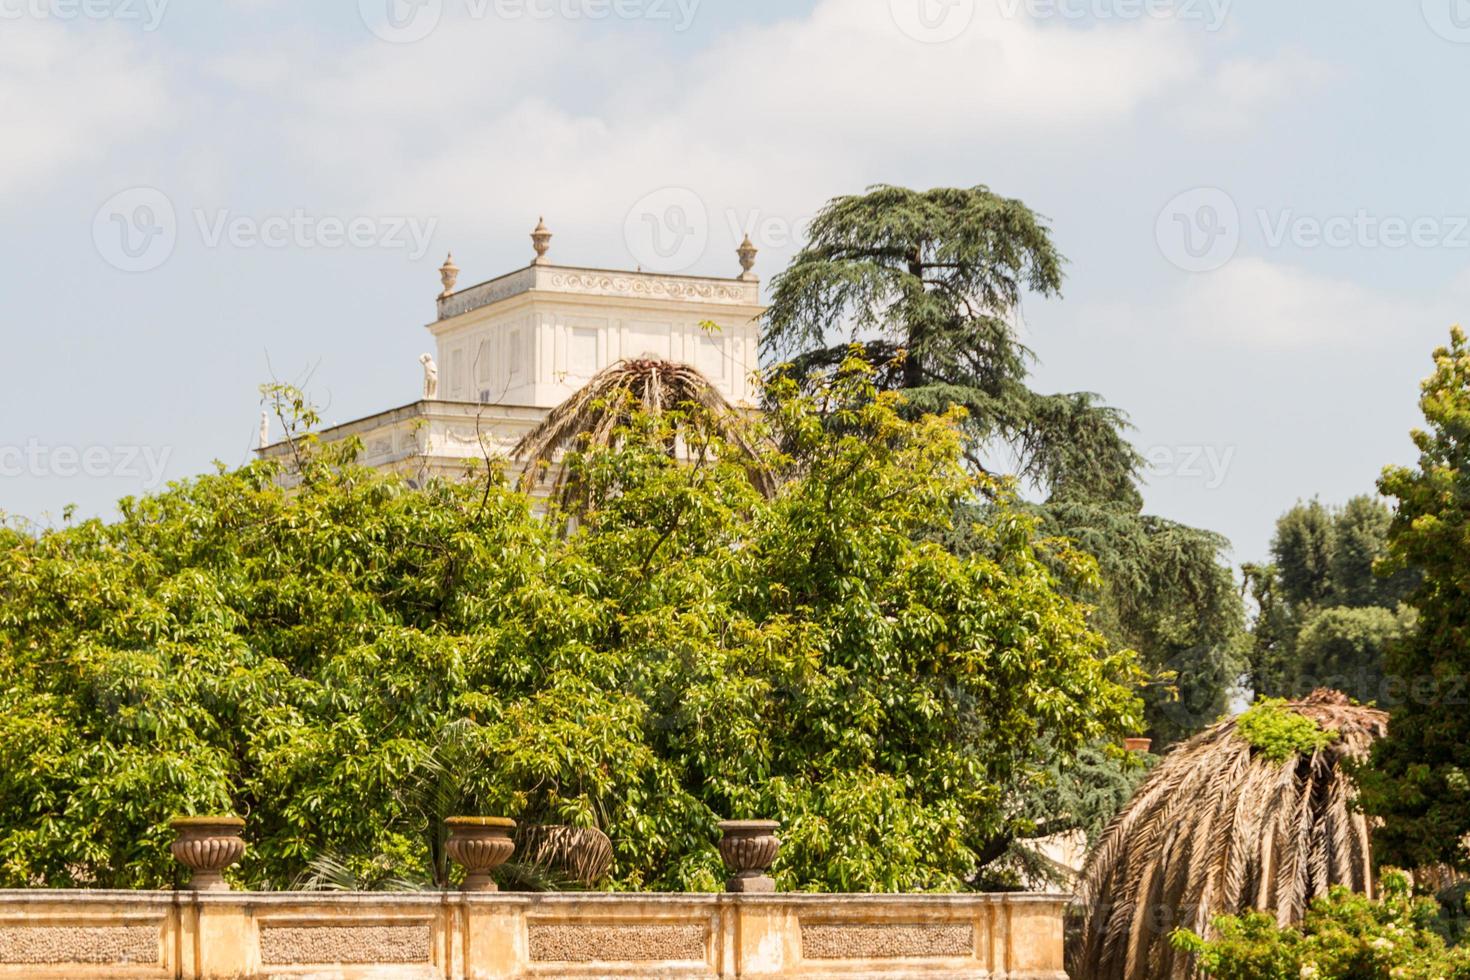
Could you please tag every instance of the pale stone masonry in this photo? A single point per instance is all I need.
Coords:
(457, 936)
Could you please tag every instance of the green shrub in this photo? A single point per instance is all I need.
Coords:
(1277, 732)
(1345, 936)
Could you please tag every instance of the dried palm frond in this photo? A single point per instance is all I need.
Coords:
(580, 854)
(592, 417)
(1219, 828)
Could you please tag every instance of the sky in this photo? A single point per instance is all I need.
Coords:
(1262, 203)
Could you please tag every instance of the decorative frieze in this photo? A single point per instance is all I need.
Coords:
(886, 942)
(51, 945)
(594, 282)
(618, 943)
(650, 287)
(304, 945)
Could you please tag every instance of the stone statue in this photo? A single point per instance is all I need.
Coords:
(431, 377)
(265, 429)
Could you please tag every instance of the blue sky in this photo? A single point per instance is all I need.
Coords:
(1262, 203)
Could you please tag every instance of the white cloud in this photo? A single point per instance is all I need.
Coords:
(1232, 98)
(68, 96)
(1256, 305)
(477, 118)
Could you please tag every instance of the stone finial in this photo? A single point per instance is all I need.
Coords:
(480, 845)
(449, 275)
(747, 253)
(541, 238)
(207, 846)
(431, 377)
(265, 429)
(749, 848)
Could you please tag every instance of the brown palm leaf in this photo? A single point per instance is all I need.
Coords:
(592, 417)
(1218, 828)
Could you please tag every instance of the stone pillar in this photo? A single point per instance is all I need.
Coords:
(1036, 940)
(223, 934)
(493, 936)
(766, 936)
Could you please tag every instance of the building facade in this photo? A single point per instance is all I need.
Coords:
(509, 350)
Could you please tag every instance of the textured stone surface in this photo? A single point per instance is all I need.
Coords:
(281, 945)
(618, 944)
(884, 942)
(486, 293)
(207, 936)
(79, 944)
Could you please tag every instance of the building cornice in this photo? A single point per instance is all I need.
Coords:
(575, 281)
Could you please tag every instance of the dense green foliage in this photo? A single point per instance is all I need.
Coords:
(1279, 733)
(1343, 648)
(1166, 592)
(1418, 780)
(1344, 936)
(347, 663)
(929, 284)
(1325, 617)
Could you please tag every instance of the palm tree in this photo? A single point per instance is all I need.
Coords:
(592, 417)
(1219, 828)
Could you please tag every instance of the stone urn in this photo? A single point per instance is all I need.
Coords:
(749, 848)
(207, 846)
(582, 854)
(480, 845)
(1140, 746)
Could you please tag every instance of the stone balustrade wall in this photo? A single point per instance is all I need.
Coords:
(237, 935)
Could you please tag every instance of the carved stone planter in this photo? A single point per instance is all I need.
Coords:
(207, 846)
(1139, 745)
(583, 854)
(480, 845)
(749, 848)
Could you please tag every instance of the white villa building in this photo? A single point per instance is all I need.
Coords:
(509, 350)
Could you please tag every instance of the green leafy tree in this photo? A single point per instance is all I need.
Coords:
(1325, 556)
(1272, 646)
(1165, 591)
(1418, 781)
(348, 662)
(1324, 614)
(1342, 648)
(929, 284)
(1360, 538)
(1303, 548)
